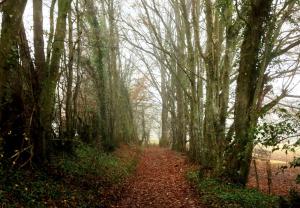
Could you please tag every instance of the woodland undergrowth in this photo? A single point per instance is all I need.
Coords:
(89, 178)
(215, 194)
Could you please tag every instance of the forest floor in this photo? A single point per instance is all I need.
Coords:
(159, 182)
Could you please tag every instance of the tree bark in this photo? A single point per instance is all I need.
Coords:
(100, 79)
(69, 93)
(49, 81)
(211, 120)
(164, 140)
(40, 73)
(239, 155)
(12, 112)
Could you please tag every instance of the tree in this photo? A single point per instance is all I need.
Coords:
(12, 115)
(248, 72)
(48, 78)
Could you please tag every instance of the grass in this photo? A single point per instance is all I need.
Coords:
(91, 179)
(214, 193)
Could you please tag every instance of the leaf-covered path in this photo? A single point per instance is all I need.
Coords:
(159, 182)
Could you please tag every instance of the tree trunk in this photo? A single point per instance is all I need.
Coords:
(180, 144)
(100, 80)
(12, 112)
(211, 121)
(193, 102)
(164, 140)
(40, 72)
(49, 81)
(69, 94)
(238, 156)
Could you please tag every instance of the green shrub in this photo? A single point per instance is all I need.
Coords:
(91, 161)
(217, 194)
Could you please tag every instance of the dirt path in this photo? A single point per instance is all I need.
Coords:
(159, 182)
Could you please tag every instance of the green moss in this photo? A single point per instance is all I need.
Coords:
(217, 194)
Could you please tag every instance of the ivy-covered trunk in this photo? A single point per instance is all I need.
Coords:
(12, 114)
(100, 76)
(239, 154)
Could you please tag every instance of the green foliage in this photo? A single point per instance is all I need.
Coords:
(283, 134)
(92, 161)
(222, 5)
(274, 133)
(90, 179)
(217, 194)
(23, 188)
(295, 162)
(294, 198)
(291, 201)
